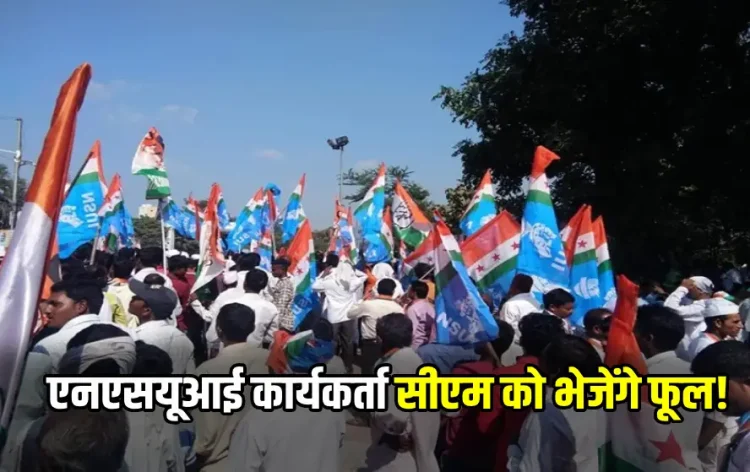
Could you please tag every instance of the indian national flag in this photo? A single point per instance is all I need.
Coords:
(409, 222)
(113, 204)
(149, 161)
(211, 255)
(25, 266)
(570, 229)
(369, 210)
(491, 254)
(301, 254)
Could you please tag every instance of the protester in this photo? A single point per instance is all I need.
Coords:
(520, 302)
(426, 274)
(562, 439)
(689, 300)
(118, 286)
(467, 447)
(178, 267)
(722, 321)
(559, 302)
(266, 314)
(392, 429)
(339, 284)
(370, 311)
(596, 324)
(422, 315)
(234, 325)
(153, 303)
(149, 261)
(283, 293)
(382, 271)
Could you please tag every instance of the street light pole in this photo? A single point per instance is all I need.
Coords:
(339, 144)
(16, 171)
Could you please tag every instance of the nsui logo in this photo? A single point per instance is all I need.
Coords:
(587, 288)
(68, 215)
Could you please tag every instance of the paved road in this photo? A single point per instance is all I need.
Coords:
(356, 441)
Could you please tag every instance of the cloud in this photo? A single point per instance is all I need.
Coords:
(180, 112)
(123, 114)
(269, 154)
(366, 164)
(105, 91)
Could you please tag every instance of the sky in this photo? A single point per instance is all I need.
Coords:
(247, 92)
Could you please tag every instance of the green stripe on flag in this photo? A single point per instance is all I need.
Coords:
(537, 196)
(583, 257)
(490, 277)
(304, 284)
(605, 267)
(87, 178)
(443, 278)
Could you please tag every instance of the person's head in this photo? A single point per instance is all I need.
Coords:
(521, 283)
(323, 330)
(100, 349)
(151, 300)
(394, 331)
(178, 266)
(386, 288)
(722, 318)
(332, 260)
(559, 302)
(123, 268)
(151, 361)
(235, 323)
(570, 351)
(504, 337)
(80, 440)
(419, 290)
(596, 323)
(658, 329)
(104, 259)
(701, 289)
(423, 271)
(279, 267)
(255, 281)
(730, 359)
(71, 298)
(150, 257)
(537, 331)
(248, 262)
(126, 253)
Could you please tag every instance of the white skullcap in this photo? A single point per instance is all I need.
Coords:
(173, 252)
(184, 254)
(703, 284)
(381, 270)
(230, 277)
(195, 257)
(720, 307)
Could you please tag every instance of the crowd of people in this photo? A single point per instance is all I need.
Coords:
(126, 315)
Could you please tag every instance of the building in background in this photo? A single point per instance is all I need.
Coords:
(148, 210)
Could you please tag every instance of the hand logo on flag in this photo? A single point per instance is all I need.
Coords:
(541, 237)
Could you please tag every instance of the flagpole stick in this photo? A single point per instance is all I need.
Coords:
(163, 238)
(96, 238)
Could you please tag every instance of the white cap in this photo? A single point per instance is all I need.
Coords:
(184, 254)
(720, 307)
(173, 252)
(228, 264)
(703, 284)
(195, 257)
(230, 277)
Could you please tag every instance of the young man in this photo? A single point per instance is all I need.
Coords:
(422, 315)
(153, 304)
(118, 286)
(425, 273)
(520, 302)
(560, 303)
(235, 323)
(689, 300)
(283, 293)
(722, 319)
(266, 314)
(596, 324)
(391, 430)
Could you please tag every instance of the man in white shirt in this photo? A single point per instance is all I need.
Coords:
(689, 301)
(340, 285)
(266, 313)
(370, 311)
(520, 303)
(149, 262)
(722, 321)
(152, 303)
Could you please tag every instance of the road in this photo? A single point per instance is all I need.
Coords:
(356, 441)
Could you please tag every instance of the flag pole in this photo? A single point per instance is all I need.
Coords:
(96, 238)
(163, 237)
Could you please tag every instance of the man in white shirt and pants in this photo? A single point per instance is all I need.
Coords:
(689, 300)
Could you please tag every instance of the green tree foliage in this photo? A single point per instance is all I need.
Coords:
(148, 231)
(361, 180)
(648, 104)
(457, 199)
(321, 239)
(6, 195)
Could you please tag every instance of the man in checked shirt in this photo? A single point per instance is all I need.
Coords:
(283, 293)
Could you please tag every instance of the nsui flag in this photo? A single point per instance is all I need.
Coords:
(542, 254)
(301, 255)
(462, 316)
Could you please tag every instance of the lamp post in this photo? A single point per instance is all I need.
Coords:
(17, 163)
(339, 144)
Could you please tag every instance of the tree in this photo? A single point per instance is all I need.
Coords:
(148, 231)
(648, 105)
(457, 199)
(361, 180)
(6, 195)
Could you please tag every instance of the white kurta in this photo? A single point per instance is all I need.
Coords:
(691, 312)
(281, 441)
(423, 427)
(516, 308)
(340, 290)
(266, 320)
(170, 340)
(153, 445)
(56, 345)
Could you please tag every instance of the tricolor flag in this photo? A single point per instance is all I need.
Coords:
(369, 211)
(294, 214)
(78, 222)
(542, 255)
(24, 269)
(462, 317)
(117, 225)
(409, 222)
(604, 265)
(584, 277)
(482, 207)
(198, 215)
(569, 230)
(211, 255)
(149, 161)
(301, 254)
(491, 255)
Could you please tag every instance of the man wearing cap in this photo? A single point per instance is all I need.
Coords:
(689, 300)
(153, 304)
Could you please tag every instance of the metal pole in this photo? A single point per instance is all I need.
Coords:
(16, 171)
(341, 173)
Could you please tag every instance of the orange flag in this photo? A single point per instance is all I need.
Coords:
(24, 269)
(622, 347)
